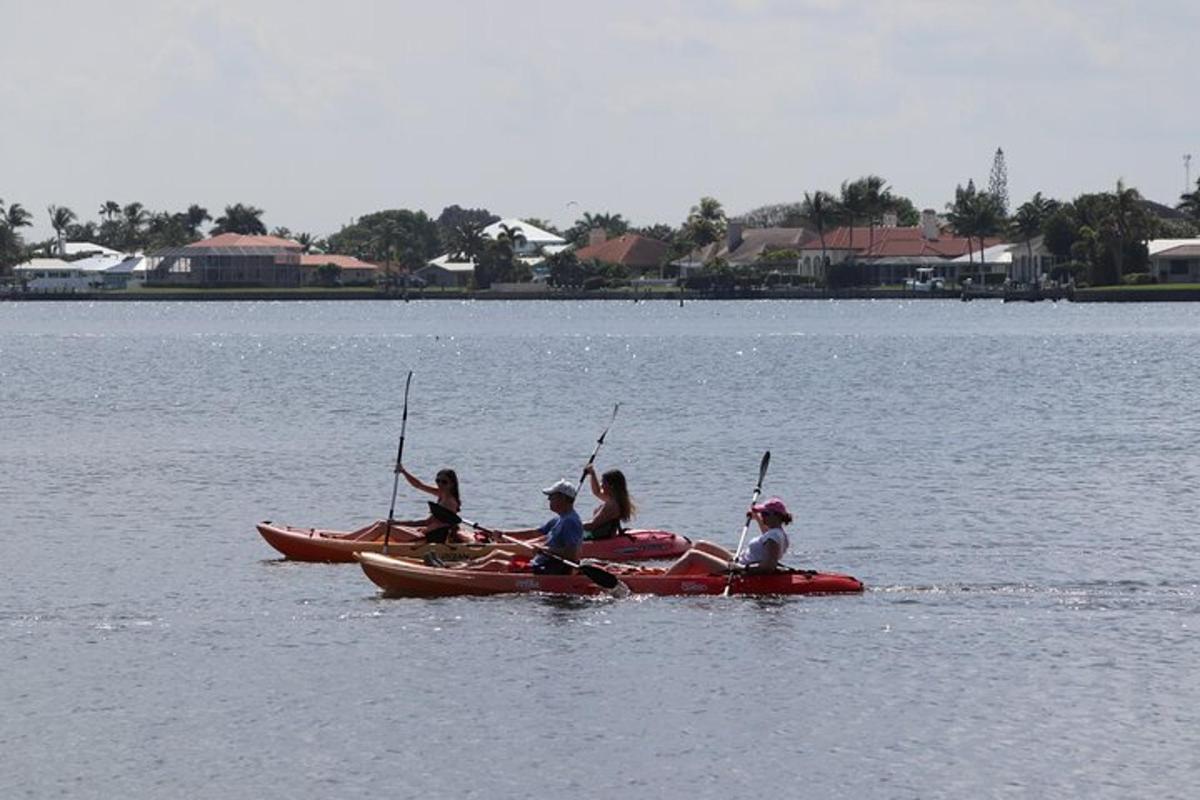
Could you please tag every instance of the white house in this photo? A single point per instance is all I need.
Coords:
(52, 275)
(537, 244)
(1175, 260)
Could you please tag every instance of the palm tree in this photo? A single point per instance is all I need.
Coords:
(60, 218)
(306, 241)
(1130, 223)
(242, 219)
(193, 218)
(110, 209)
(853, 204)
(1190, 202)
(135, 216)
(820, 208)
(706, 222)
(975, 214)
(16, 216)
(877, 198)
(1028, 221)
(467, 241)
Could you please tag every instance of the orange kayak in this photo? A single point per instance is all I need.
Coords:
(403, 578)
(318, 544)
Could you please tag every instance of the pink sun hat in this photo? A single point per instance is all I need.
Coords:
(773, 506)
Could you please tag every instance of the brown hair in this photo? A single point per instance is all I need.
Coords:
(451, 476)
(618, 490)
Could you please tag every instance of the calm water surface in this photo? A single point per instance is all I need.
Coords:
(1015, 483)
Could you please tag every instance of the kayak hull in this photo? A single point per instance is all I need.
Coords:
(403, 578)
(317, 544)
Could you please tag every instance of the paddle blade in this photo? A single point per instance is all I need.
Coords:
(762, 468)
(600, 577)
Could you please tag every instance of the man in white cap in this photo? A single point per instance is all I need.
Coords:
(563, 535)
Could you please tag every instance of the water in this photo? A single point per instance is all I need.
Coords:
(1015, 483)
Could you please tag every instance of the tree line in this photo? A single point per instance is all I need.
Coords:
(1100, 236)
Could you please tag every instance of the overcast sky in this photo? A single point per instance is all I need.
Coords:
(319, 112)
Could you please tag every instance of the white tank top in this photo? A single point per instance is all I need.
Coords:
(756, 551)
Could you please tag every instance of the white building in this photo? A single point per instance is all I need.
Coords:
(537, 244)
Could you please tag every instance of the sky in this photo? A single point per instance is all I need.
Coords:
(320, 112)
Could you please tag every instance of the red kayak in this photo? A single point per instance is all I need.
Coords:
(317, 544)
(404, 578)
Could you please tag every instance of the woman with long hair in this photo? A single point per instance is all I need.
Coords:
(616, 507)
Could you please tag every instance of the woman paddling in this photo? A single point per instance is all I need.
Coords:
(616, 507)
(762, 554)
(430, 529)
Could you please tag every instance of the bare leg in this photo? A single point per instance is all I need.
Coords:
(698, 562)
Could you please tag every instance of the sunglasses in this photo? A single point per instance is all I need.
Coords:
(442, 481)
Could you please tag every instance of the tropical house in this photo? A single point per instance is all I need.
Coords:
(743, 247)
(888, 254)
(108, 270)
(637, 253)
(230, 259)
(1175, 260)
(351, 271)
(52, 275)
(531, 249)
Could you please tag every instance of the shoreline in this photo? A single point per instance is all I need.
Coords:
(1114, 294)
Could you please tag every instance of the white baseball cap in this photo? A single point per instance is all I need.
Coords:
(563, 487)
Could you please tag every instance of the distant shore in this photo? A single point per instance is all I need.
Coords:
(1112, 294)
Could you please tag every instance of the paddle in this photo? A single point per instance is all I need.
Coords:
(599, 442)
(387, 534)
(762, 473)
(598, 576)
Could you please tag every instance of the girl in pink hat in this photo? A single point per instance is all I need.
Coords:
(762, 554)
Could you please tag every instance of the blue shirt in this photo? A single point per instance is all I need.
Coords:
(564, 534)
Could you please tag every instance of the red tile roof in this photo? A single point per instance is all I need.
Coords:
(897, 243)
(345, 262)
(631, 250)
(243, 240)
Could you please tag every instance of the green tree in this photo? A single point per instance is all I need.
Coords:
(1189, 203)
(110, 210)
(776, 215)
(134, 218)
(706, 222)
(193, 218)
(612, 224)
(329, 275)
(975, 214)
(455, 217)
(60, 218)
(1030, 219)
(853, 205)
(12, 246)
(239, 218)
(821, 211)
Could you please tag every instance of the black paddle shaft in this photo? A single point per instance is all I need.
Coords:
(387, 533)
(599, 442)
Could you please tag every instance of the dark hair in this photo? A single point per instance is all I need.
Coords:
(453, 478)
(618, 490)
(785, 517)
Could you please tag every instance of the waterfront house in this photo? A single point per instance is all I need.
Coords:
(889, 254)
(52, 275)
(1175, 260)
(230, 259)
(351, 271)
(637, 253)
(1033, 260)
(532, 249)
(743, 247)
